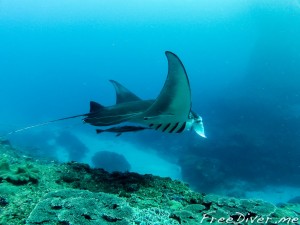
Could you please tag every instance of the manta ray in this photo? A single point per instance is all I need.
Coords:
(170, 112)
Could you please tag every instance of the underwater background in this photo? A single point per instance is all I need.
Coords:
(243, 63)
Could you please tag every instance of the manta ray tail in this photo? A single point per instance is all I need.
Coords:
(42, 124)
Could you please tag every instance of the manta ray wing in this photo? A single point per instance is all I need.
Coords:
(123, 94)
(171, 109)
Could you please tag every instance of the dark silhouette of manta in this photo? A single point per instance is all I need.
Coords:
(170, 112)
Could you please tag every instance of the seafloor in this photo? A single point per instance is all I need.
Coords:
(39, 191)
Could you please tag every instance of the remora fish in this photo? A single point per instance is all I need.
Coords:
(121, 129)
(170, 112)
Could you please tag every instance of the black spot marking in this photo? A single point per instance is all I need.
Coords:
(166, 127)
(159, 125)
(109, 218)
(174, 127)
(88, 217)
(181, 128)
(151, 125)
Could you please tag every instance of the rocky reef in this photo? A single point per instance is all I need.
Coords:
(43, 192)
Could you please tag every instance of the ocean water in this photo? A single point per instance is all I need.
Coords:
(242, 58)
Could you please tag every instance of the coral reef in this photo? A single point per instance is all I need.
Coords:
(70, 206)
(73, 193)
(153, 216)
(17, 174)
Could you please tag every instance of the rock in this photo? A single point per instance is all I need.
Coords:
(110, 161)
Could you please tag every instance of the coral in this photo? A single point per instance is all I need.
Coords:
(80, 207)
(175, 205)
(245, 206)
(184, 217)
(286, 212)
(153, 216)
(293, 207)
(18, 174)
(195, 208)
(81, 176)
(3, 201)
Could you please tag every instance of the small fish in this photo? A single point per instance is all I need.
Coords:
(121, 129)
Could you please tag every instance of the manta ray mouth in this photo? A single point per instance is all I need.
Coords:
(197, 124)
(199, 129)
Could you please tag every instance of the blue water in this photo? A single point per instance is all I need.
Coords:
(243, 62)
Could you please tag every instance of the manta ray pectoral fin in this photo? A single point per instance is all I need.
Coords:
(123, 94)
(175, 97)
